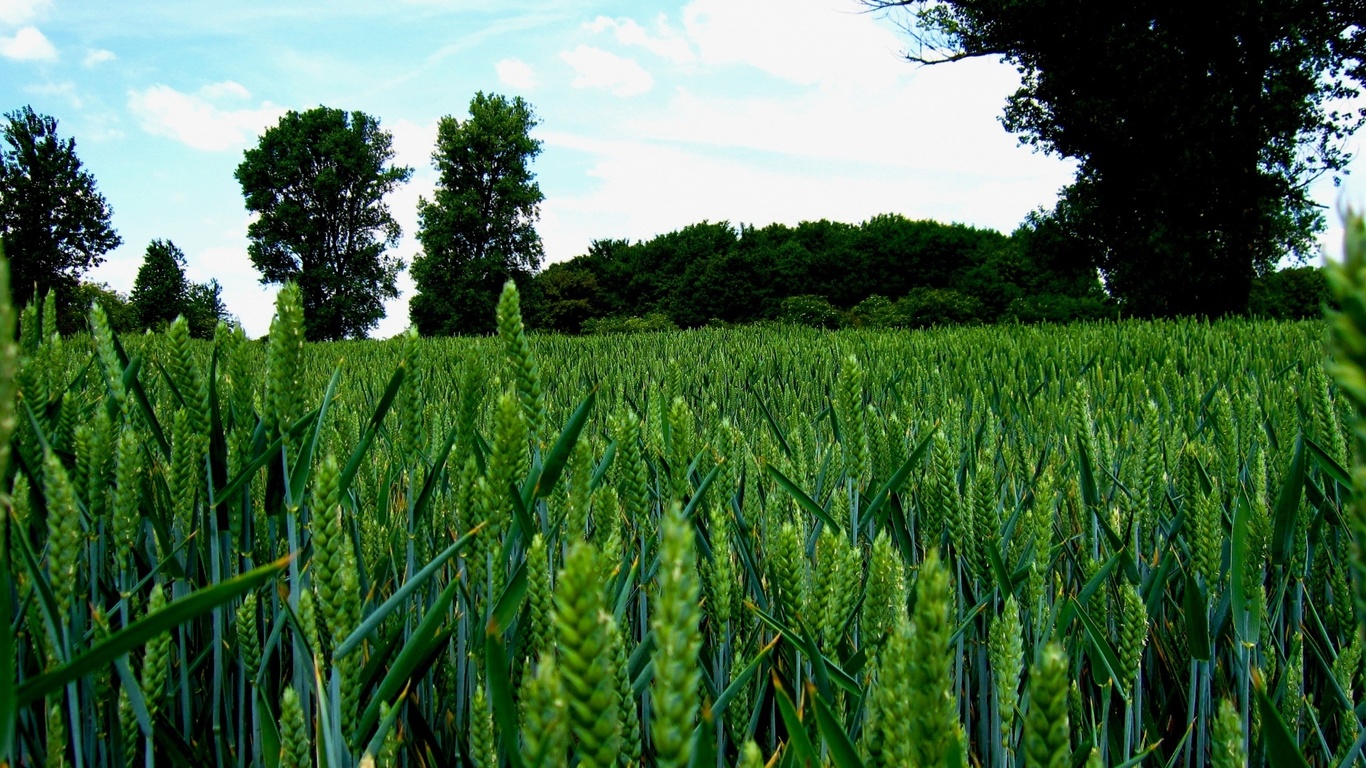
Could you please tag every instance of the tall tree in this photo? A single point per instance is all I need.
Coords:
(55, 224)
(1197, 127)
(160, 291)
(478, 230)
(317, 182)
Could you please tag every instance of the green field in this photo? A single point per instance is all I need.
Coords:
(998, 546)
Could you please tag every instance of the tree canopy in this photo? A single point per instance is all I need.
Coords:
(55, 224)
(161, 293)
(717, 272)
(160, 290)
(1197, 129)
(478, 230)
(317, 181)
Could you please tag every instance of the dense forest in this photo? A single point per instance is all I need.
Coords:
(888, 271)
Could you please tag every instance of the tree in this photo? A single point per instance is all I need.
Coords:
(160, 291)
(317, 182)
(204, 308)
(55, 224)
(117, 307)
(1197, 129)
(478, 229)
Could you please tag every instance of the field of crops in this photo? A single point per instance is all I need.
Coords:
(1112, 544)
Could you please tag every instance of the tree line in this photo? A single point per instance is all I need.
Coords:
(886, 272)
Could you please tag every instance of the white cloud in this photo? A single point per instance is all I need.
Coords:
(66, 90)
(807, 42)
(98, 56)
(596, 68)
(225, 89)
(413, 145)
(668, 44)
(16, 12)
(28, 44)
(196, 121)
(939, 119)
(515, 73)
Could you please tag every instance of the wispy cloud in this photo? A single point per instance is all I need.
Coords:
(195, 120)
(98, 56)
(66, 90)
(16, 12)
(596, 68)
(515, 73)
(668, 43)
(807, 42)
(28, 44)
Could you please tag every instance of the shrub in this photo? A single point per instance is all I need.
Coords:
(651, 323)
(811, 311)
(1289, 294)
(924, 307)
(876, 311)
(1057, 308)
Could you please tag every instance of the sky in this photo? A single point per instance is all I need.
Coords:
(654, 114)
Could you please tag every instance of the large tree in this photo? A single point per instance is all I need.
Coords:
(1197, 127)
(317, 182)
(55, 224)
(478, 230)
(160, 291)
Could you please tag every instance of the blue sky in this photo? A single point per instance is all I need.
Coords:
(654, 114)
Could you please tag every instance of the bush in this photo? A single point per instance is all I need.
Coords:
(811, 311)
(925, 307)
(1057, 308)
(1289, 294)
(874, 312)
(651, 323)
(120, 311)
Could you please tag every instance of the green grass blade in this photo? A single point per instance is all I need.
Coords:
(1196, 608)
(139, 632)
(1328, 464)
(429, 485)
(738, 681)
(270, 732)
(797, 740)
(1099, 643)
(8, 665)
(500, 694)
(564, 444)
(898, 478)
(1279, 742)
(372, 621)
(410, 656)
(509, 602)
(372, 428)
(842, 752)
(803, 501)
(1287, 506)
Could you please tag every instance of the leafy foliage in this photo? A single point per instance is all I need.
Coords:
(161, 294)
(317, 182)
(477, 231)
(160, 289)
(1196, 135)
(55, 224)
(715, 273)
